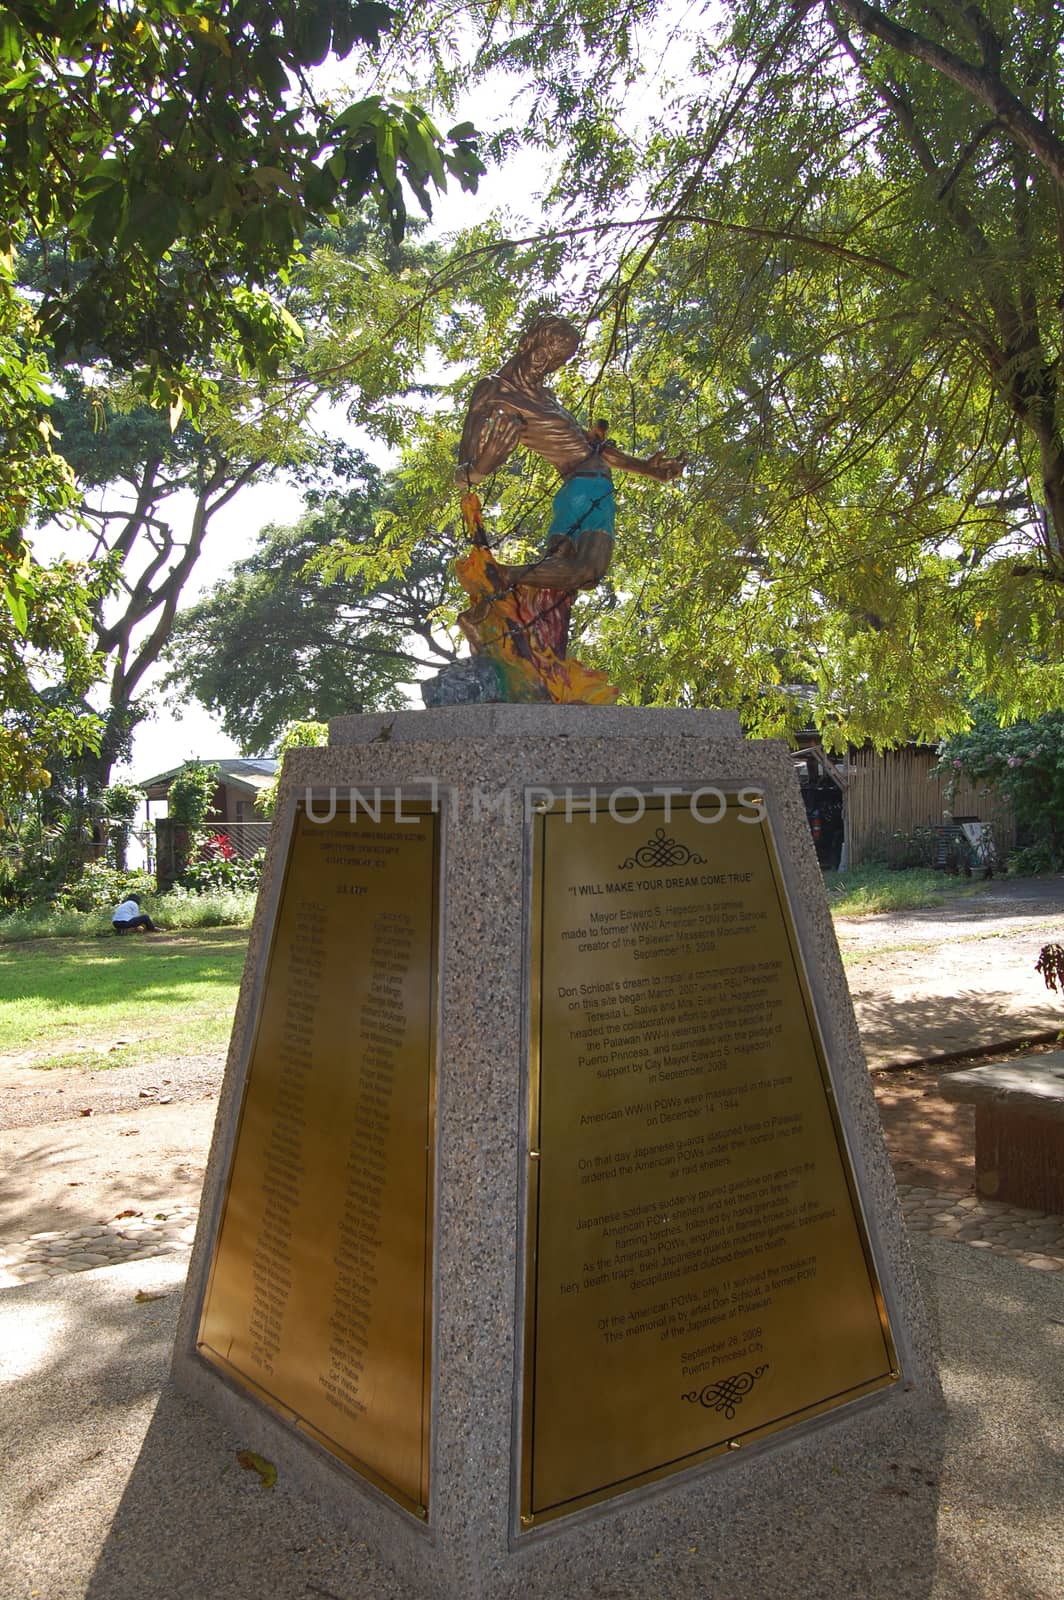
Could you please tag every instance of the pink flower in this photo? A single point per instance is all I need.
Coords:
(958, 763)
(1014, 761)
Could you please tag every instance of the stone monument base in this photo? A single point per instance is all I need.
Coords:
(548, 1232)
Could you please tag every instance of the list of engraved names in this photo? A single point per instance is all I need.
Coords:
(319, 1283)
(284, 1157)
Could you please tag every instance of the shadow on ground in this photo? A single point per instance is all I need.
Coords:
(60, 1179)
(1002, 1330)
(930, 1140)
(113, 1489)
(125, 1493)
(933, 1026)
(116, 1492)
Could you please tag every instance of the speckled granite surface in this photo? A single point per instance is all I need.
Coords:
(754, 1512)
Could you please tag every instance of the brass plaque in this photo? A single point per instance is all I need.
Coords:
(319, 1296)
(698, 1273)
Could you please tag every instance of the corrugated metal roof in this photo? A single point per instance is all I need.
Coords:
(250, 772)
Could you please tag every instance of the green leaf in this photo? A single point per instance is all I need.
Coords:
(153, 222)
(320, 185)
(386, 156)
(423, 153)
(269, 70)
(313, 34)
(365, 113)
(16, 603)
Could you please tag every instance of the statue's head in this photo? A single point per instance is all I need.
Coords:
(547, 344)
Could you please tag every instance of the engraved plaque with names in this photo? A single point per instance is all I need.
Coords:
(319, 1293)
(698, 1273)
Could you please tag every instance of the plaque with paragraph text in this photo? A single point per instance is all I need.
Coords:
(319, 1293)
(697, 1273)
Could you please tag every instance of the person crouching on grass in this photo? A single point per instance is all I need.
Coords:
(127, 917)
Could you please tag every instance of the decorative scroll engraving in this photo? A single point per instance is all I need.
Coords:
(662, 852)
(726, 1393)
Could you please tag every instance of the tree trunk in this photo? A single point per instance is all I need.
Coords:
(1052, 461)
(95, 770)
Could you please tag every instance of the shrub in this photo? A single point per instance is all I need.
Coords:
(1032, 860)
(101, 888)
(1050, 964)
(902, 850)
(31, 865)
(177, 909)
(188, 802)
(296, 736)
(46, 922)
(1025, 763)
(190, 794)
(219, 908)
(223, 872)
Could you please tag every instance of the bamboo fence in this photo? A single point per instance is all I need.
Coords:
(889, 796)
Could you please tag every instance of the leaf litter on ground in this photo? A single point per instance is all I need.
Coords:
(251, 1461)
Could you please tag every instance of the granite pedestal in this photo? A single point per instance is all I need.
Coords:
(461, 1516)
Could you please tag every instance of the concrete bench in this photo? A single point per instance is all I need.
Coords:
(1019, 1128)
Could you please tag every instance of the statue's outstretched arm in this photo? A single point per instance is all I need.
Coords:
(491, 433)
(660, 466)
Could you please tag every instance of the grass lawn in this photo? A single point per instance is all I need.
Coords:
(109, 1002)
(865, 890)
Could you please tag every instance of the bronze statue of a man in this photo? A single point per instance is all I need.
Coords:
(513, 408)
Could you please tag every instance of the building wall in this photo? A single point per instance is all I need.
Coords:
(895, 793)
(227, 803)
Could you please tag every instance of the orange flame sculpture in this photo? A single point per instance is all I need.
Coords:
(523, 631)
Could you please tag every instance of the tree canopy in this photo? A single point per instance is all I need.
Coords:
(148, 496)
(174, 154)
(150, 492)
(830, 267)
(162, 165)
(281, 641)
(818, 246)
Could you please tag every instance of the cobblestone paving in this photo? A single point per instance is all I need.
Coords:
(1033, 1237)
(169, 1230)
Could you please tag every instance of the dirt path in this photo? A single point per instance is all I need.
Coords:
(66, 1175)
(81, 1147)
(957, 977)
(144, 1147)
(30, 1096)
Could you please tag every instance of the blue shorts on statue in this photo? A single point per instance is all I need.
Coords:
(583, 505)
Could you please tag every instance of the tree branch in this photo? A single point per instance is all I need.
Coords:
(984, 84)
(1011, 331)
(965, 156)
